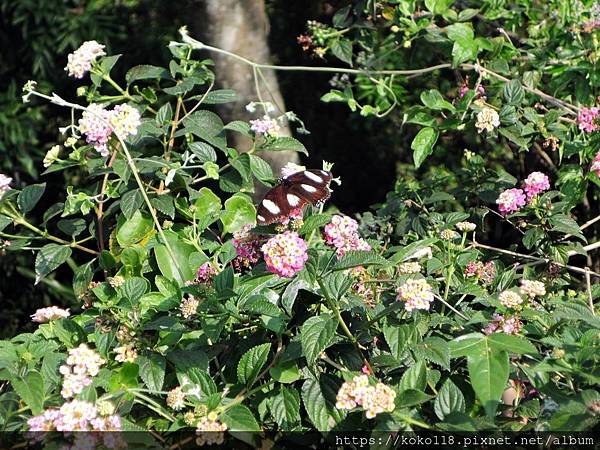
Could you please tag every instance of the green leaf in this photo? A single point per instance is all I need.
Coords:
(239, 418)
(565, 224)
(220, 96)
(449, 400)
(464, 50)
(411, 397)
(4, 222)
(133, 230)
(438, 7)
(357, 258)
(511, 344)
(513, 92)
(251, 363)
(203, 151)
(164, 204)
(260, 168)
(239, 127)
(318, 397)
(414, 378)
(285, 408)
(434, 100)
(285, 372)
(284, 143)
(49, 258)
(342, 49)
(134, 288)
(316, 334)
(436, 350)
(72, 227)
(398, 338)
(30, 196)
(31, 390)
(422, 144)
(488, 372)
(178, 269)
(131, 202)
(144, 72)
(239, 211)
(207, 203)
(152, 370)
(164, 115)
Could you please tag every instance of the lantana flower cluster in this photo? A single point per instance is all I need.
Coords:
(586, 119)
(206, 272)
(510, 299)
(4, 184)
(285, 254)
(487, 119)
(512, 200)
(210, 431)
(409, 267)
(81, 366)
(44, 315)
(532, 288)
(75, 415)
(596, 164)
(502, 324)
(247, 247)
(189, 306)
(81, 60)
(373, 399)
(267, 126)
(176, 399)
(98, 123)
(342, 233)
(416, 294)
(486, 272)
(126, 353)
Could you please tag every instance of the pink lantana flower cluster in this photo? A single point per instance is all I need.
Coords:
(594, 168)
(586, 119)
(206, 272)
(285, 254)
(501, 324)
(97, 124)
(342, 233)
(44, 315)
(512, 200)
(373, 399)
(265, 126)
(247, 247)
(4, 184)
(416, 294)
(486, 272)
(75, 415)
(210, 431)
(80, 61)
(536, 183)
(81, 365)
(290, 169)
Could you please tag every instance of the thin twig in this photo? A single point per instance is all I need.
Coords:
(589, 290)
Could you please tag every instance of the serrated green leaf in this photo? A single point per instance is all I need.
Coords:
(285, 143)
(422, 144)
(239, 212)
(316, 334)
(30, 196)
(239, 418)
(251, 363)
(152, 370)
(359, 258)
(49, 258)
(285, 408)
(449, 400)
(203, 151)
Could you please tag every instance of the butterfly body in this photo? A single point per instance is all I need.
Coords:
(292, 193)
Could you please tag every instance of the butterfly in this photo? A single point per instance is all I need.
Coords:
(292, 193)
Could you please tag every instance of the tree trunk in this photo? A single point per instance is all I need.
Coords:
(241, 27)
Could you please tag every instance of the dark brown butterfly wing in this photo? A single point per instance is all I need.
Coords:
(294, 192)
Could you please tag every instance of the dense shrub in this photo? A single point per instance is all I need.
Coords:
(194, 317)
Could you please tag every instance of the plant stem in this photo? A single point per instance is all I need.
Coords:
(333, 305)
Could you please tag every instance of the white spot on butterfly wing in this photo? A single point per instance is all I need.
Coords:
(308, 188)
(326, 174)
(313, 177)
(271, 206)
(293, 200)
(260, 218)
